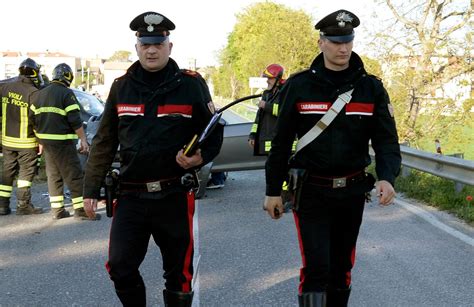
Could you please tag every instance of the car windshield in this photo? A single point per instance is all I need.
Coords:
(90, 103)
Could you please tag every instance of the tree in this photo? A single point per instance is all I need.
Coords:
(265, 33)
(120, 56)
(428, 45)
(372, 66)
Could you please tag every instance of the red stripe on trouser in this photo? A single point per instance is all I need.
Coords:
(303, 258)
(189, 252)
(107, 265)
(348, 274)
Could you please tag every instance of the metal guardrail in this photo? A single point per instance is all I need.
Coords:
(457, 169)
(452, 168)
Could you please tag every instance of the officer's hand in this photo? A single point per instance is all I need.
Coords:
(189, 162)
(251, 143)
(385, 192)
(261, 104)
(40, 149)
(90, 206)
(274, 206)
(84, 149)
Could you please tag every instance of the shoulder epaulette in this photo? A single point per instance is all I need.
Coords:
(374, 76)
(120, 78)
(191, 73)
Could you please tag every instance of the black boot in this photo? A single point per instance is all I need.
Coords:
(132, 297)
(312, 299)
(338, 297)
(5, 210)
(59, 213)
(177, 299)
(24, 207)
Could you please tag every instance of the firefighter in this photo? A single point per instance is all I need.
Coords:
(152, 112)
(57, 120)
(263, 129)
(331, 182)
(20, 147)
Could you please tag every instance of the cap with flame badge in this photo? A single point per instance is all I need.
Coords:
(339, 26)
(151, 28)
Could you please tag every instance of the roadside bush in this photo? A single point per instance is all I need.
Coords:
(438, 192)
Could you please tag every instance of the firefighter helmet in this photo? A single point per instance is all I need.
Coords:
(63, 73)
(273, 71)
(29, 68)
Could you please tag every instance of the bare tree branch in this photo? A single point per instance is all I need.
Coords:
(406, 21)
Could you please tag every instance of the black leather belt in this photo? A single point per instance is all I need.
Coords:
(151, 186)
(336, 182)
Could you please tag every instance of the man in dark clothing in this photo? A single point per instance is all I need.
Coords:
(20, 147)
(330, 200)
(152, 112)
(55, 113)
(263, 129)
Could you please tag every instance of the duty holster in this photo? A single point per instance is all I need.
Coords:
(111, 184)
(296, 178)
(191, 181)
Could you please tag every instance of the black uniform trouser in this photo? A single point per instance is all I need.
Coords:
(327, 228)
(21, 162)
(63, 166)
(170, 221)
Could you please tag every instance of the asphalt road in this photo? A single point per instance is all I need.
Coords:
(245, 258)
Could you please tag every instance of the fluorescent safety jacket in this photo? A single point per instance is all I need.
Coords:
(17, 129)
(56, 114)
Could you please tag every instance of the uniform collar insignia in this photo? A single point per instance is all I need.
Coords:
(152, 19)
(343, 17)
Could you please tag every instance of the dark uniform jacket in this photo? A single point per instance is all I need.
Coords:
(151, 123)
(56, 113)
(17, 129)
(263, 128)
(342, 148)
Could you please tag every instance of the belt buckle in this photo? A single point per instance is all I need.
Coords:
(154, 186)
(339, 182)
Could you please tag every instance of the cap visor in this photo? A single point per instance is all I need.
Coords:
(340, 39)
(151, 40)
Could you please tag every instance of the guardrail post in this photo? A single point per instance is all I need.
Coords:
(406, 171)
(458, 186)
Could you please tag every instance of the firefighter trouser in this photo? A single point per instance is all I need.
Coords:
(63, 166)
(327, 229)
(170, 221)
(21, 162)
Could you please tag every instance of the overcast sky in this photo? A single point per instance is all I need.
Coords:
(98, 28)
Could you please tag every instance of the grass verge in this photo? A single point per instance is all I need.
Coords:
(438, 192)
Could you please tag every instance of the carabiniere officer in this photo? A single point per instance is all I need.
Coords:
(333, 192)
(152, 112)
